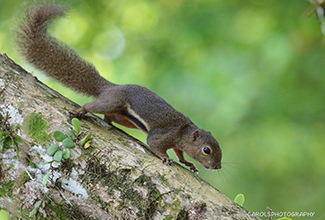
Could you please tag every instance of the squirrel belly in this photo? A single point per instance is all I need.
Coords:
(125, 120)
(130, 105)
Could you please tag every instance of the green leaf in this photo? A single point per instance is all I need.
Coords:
(240, 199)
(38, 204)
(58, 156)
(71, 134)
(76, 125)
(87, 144)
(32, 213)
(45, 178)
(1, 147)
(59, 136)
(48, 162)
(86, 138)
(1, 136)
(52, 149)
(41, 210)
(68, 142)
(284, 219)
(66, 153)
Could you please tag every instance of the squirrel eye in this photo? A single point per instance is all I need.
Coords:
(206, 150)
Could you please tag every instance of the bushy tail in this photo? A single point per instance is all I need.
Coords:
(53, 57)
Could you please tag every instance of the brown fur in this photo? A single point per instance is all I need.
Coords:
(129, 105)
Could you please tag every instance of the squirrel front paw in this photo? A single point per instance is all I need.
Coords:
(193, 168)
(190, 165)
(167, 161)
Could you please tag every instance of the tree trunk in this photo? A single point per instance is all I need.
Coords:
(117, 177)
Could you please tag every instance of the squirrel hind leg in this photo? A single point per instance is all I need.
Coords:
(119, 119)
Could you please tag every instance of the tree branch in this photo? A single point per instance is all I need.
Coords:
(116, 178)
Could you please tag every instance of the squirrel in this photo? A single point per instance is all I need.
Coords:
(129, 105)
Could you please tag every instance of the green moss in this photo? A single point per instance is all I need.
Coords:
(8, 136)
(154, 196)
(9, 184)
(6, 188)
(97, 200)
(60, 214)
(10, 167)
(23, 178)
(170, 217)
(35, 126)
(2, 192)
(164, 180)
(32, 164)
(65, 211)
(177, 203)
(182, 215)
(118, 180)
(66, 167)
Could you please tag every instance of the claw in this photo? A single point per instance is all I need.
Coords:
(72, 113)
(190, 165)
(193, 168)
(167, 161)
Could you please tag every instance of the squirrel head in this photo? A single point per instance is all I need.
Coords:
(208, 152)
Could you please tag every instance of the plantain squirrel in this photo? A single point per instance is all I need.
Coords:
(132, 106)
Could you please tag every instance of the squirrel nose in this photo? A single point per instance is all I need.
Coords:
(217, 167)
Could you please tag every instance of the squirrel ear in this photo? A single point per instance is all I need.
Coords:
(196, 135)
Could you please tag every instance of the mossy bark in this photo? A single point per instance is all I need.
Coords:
(116, 178)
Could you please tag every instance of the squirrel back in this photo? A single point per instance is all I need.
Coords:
(56, 59)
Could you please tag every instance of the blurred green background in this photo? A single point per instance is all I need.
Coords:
(251, 72)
